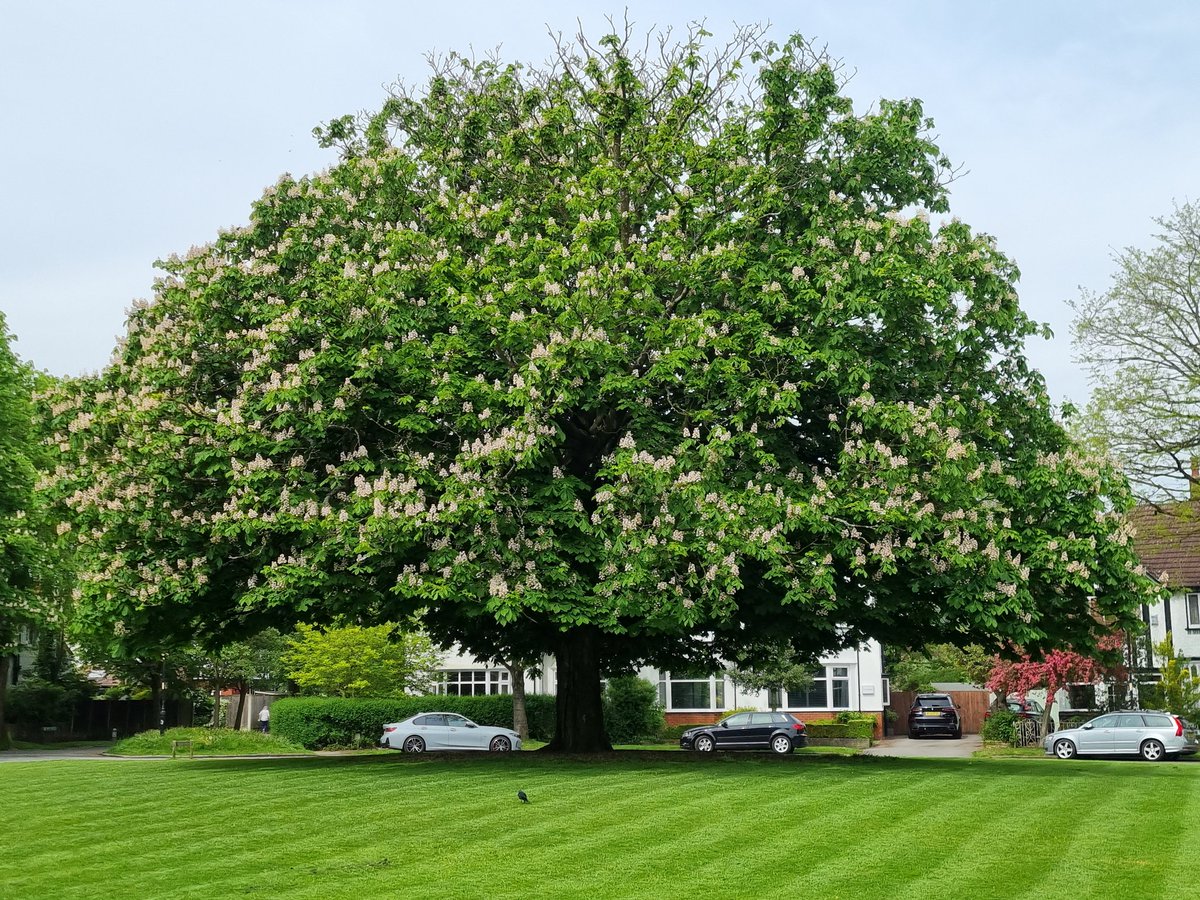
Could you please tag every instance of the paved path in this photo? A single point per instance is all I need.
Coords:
(68, 753)
(936, 747)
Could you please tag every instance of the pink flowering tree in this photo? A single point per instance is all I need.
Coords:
(1055, 669)
(629, 358)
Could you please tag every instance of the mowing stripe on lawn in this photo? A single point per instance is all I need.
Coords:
(613, 828)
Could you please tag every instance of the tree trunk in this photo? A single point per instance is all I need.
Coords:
(520, 719)
(243, 688)
(5, 744)
(579, 710)
(216, 713)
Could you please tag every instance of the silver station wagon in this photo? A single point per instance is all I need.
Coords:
(1150, 734)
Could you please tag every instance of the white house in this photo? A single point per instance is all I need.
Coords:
(1168, 542)
(848, 680)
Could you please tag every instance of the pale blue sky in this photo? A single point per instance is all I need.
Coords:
(136, 129)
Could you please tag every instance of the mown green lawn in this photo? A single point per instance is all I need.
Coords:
(630, 825)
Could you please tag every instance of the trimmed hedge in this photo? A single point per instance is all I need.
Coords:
(320, 723)
(860, 728)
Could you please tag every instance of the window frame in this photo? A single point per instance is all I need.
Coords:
(836, 679)
(1192, 622)
(717, 694)
(492, 681)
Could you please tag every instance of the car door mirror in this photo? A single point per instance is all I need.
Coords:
(472, 725)
(1088, 726)
(724, 724)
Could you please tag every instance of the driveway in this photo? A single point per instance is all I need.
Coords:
(935, 747)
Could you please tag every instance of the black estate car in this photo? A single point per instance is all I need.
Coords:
(934, 714)
(775, 731)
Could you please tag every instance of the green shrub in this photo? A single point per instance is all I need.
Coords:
(1000, 726)
(323, 722)
(631, 711)
(36, 701)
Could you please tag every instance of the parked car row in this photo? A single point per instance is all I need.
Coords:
(1151, 734)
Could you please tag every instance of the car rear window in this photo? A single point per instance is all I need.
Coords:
(933, 702)
(1158, 721)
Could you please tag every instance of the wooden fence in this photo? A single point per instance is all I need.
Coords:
(100, 719)
(972, 705)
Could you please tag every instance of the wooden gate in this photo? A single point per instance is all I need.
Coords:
(971, 708)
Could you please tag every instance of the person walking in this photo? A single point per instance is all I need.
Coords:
(264, 719)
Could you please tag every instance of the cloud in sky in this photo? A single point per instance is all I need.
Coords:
(136, 130)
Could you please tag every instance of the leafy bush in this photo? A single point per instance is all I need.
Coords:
(1000, 726)
(323, 722)
(206, 742)
(631, 711)
(36, 701)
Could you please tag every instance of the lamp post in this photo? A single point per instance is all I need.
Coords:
(162, 697)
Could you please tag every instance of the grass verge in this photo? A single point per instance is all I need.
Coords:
(642, 825)
(206, 742)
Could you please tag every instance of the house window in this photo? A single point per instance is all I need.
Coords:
(1191, 604)
(830, 689)
(692, 693)
(475, 682)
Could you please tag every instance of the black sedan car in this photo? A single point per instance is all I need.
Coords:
(934, 714)
(776, 731)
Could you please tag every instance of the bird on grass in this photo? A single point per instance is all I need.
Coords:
(521, 796)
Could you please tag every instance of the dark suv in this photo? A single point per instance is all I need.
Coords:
(934, 714)
(747, 731)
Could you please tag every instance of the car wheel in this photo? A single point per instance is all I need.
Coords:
(500, 744)
(914, 735)
(1064, 749)
(414, 744)
(781, 744)
(957, 735)
(705, 744)
(1153, 751)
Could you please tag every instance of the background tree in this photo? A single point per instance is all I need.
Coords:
(642, 356)
(29, 594)
(772, 669)
(357, 661)
(916, 670)
(1140, 341)
(253, 664)
(1177, 689)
